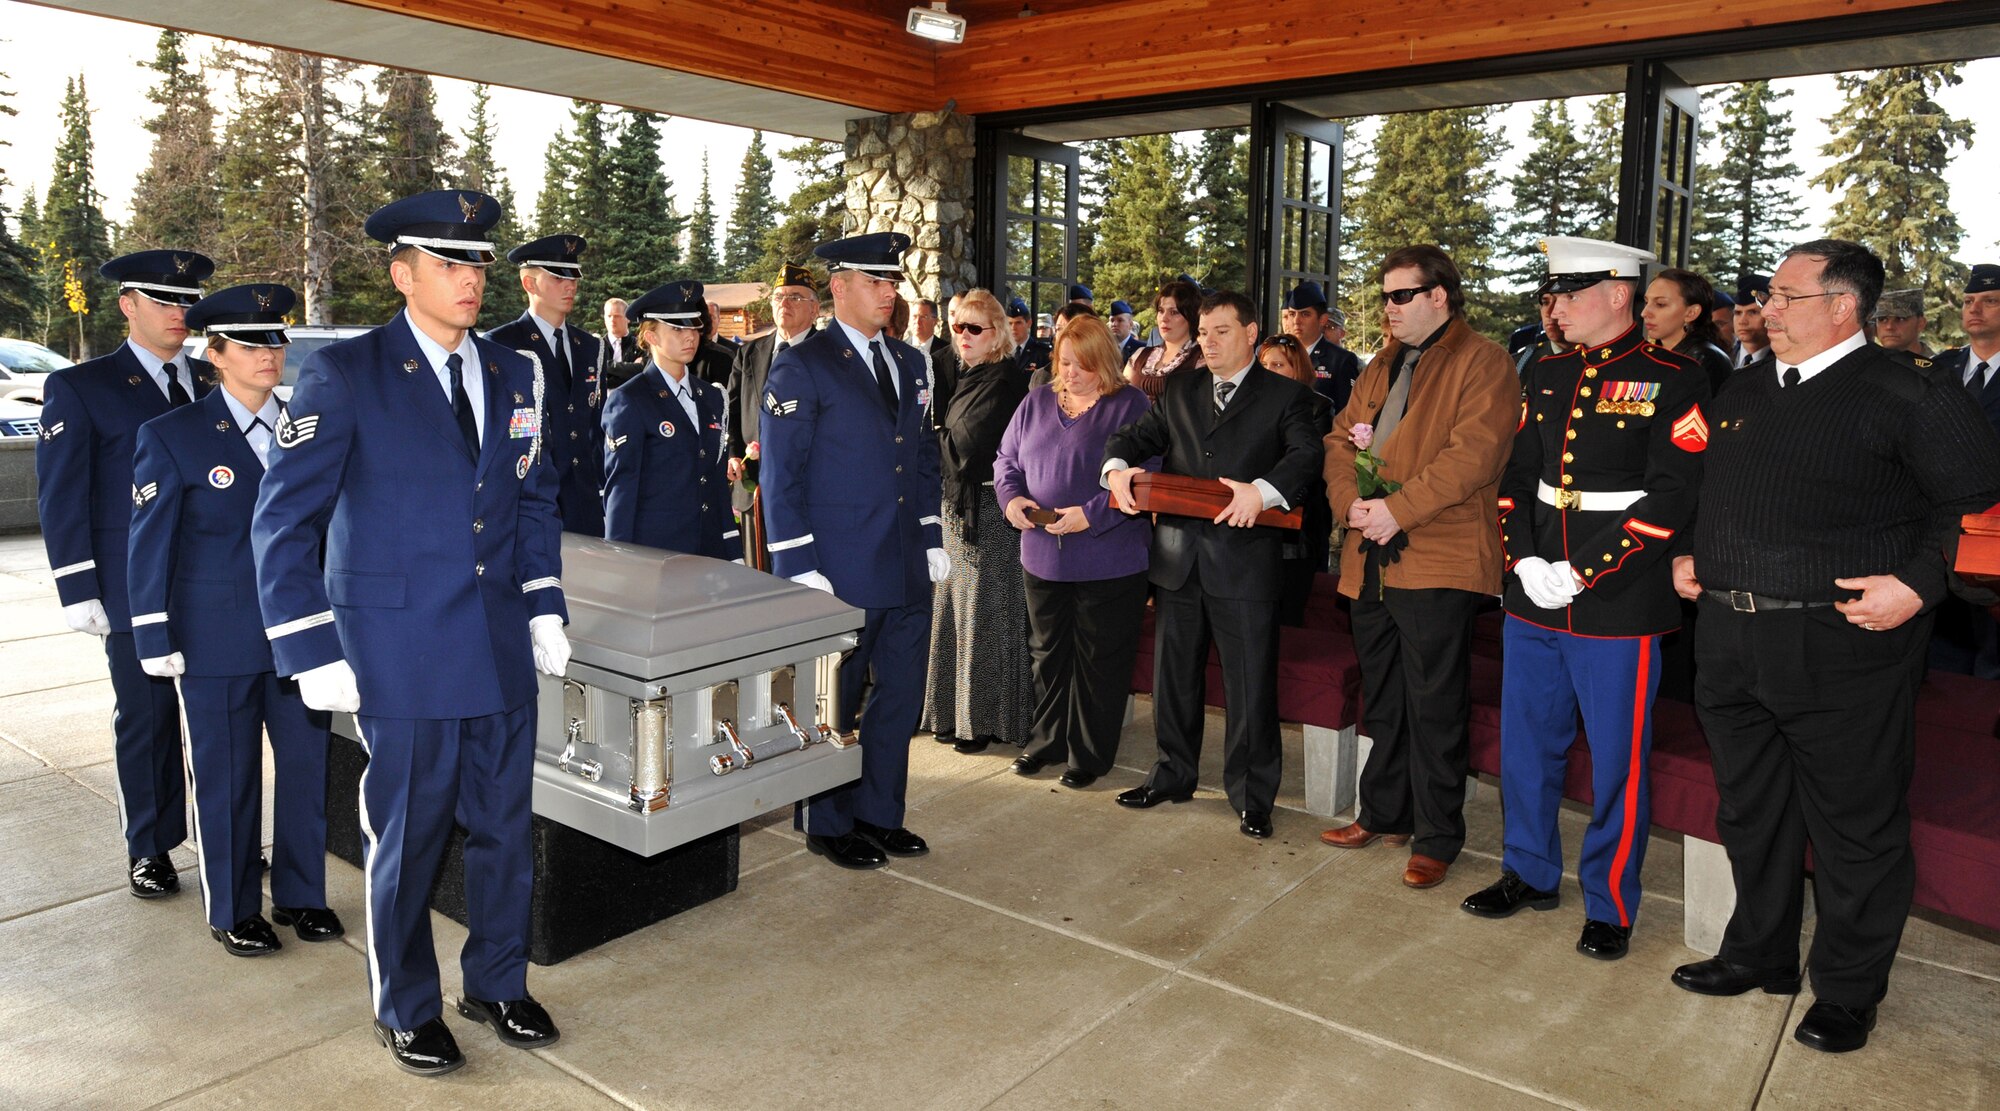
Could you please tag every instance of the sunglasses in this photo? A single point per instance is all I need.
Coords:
(964, 329)
(1405, 296)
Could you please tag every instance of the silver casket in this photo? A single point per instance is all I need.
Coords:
(699, 694)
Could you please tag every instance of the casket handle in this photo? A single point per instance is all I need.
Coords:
(792, 723)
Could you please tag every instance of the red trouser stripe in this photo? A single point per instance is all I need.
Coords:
(1633, 768)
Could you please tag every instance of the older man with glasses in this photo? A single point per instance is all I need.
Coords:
(794, 303)
(1835, 476)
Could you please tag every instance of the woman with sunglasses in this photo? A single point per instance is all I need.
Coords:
(1177, 313)
(1677, 317)
(1305, 551)
(981, 691)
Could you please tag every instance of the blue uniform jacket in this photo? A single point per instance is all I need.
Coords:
(91, 415)
(434, 561)
(1952, 363)
(848, 491)
(666, 480)
(192, 575)
(571, 428)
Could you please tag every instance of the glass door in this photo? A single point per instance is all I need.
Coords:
(1296, 173)
(1656, 189)
(1033, 221)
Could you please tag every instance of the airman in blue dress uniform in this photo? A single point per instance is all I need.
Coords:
(195, 619)
(1598, 491)
(851, 495)
(91, 415)
(1307, 317)
(573, 394)
(666, 467)
(415, 452)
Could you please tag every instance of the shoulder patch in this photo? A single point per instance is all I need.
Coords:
(295, 430)
(52, 431)
(143, 494)
(1690, 433)
(779, 408)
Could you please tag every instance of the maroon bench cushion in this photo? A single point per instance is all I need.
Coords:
(1959, 702)
(1319, 679)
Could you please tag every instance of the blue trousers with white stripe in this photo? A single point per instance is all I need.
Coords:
(227, 717)
(422, 775)
(1548, 677)
(146, 743)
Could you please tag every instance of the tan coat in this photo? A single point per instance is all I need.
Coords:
(1448, 452)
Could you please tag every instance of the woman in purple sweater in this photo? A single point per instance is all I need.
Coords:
(1086, 569)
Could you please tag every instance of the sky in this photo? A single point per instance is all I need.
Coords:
(36, 64)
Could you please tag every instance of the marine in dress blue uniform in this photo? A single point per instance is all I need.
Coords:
(666, 467)
(91, 415)
(195, 619)
(851, 499)
(414, 451)
(572, 383)
(1596, 495)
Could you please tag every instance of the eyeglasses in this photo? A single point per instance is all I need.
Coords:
(964, 329)
(1404, 296)
(791, 298)
(1770, 300)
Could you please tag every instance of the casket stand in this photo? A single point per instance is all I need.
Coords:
(700, 694)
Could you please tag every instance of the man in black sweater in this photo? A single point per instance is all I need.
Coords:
(1834, 480)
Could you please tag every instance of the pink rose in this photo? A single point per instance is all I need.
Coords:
(751, 452)
(1362, 435)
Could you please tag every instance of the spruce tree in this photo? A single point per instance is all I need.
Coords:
(1220, 205)
(1433, 182)
(1891, 143)
(1092, 185)
(702, 264)
(20, 296)
(1142, 231)
(1752, 209)
(177, 201)
(642, 249)
(1605, 159)
(478, 169)
(815, 213)
(414, 148)
(1554, 191)
(72, 219)
(259, 183)
(753, 215)
(575, 197)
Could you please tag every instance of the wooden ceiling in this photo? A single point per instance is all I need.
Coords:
(1080, 51)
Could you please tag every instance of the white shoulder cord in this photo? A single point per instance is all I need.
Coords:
(535, 448)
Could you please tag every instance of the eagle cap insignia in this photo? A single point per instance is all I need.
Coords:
(263, 299)
(181, 264)
(569, 246)
(469, 206)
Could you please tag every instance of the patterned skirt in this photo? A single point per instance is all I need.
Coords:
(980, 681)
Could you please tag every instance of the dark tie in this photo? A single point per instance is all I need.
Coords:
(561, 345)
(1222, 392)
(1977, 383)
(461, 405)
(884, 378)
(177, 396)
(1791, 377)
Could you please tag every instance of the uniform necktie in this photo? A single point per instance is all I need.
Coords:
(1222, 392)
(1977, 383)
(884, 381)
(461, 405)
(177, 395)
(1791, 377)
(561, 345)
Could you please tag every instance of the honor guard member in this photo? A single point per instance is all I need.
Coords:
(197, 470)
(851, 495)
(666, 473)
(1966, 638)
(1032, 352)
(573, 392)
(794, 304)
(414, 451)
(91, 415)
(1119, 320)
(1307, 318)
(1597, 492)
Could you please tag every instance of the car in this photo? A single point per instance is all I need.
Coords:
(306, 339)
(23, 366)
(19, 419)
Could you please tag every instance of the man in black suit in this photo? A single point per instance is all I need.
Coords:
(714, 361)
(618, 354)
(794, 303)
(1220, 579)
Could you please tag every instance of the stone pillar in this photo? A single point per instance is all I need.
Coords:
(912, 173)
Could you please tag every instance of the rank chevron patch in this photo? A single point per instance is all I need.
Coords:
(1690, 433)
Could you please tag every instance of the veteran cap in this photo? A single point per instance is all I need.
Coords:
(451, 224)
(252, 315)
(794, 274)
(1577, 263)
(1121, 307)
(169, 277)
(560, 255)
(877, 254)
(1985, 278)
(1898, 304)
(1306, 295)
(679, 304)
(1337, 318)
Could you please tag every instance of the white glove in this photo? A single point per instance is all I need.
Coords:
(815, 580)
(169, 666)
(88, 617)
(1565, 575)
(1539, 583)
(330, 687)
(940, 564)
(551, 644)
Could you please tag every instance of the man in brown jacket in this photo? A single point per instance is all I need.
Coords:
(1443, 405)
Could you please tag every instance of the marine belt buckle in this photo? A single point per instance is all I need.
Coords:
(1569, 499)
(1742, 601)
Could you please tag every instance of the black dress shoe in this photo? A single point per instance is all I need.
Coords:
(429, 1050)
(895, 842)
(1256, 823)
(849, 850)
(311, 923)
(1076, 780)
(1606, 941)
(1716, 976)
(252, 937)
(976, 744)
(1144, 797)
(1029, 765)
(522, 1023)
(152, 877)
(945, 738)
(1832, 1028)
(1507, 896)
